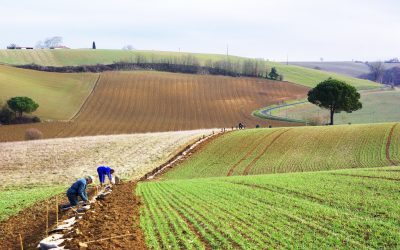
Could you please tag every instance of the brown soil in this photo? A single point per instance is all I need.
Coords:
(30, 223)
(115, 216)
(143, 101)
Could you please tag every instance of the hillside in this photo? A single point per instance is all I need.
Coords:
(50, 90)
(345, 68)
(67, 57)
(280, 150)
(378, 106)
(147, 101)
(35, 170)
(342, 209)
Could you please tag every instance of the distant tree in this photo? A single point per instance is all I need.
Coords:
(128, 47)
(93, 45)
(377, 70)
(51, 42)
(273, 74)
(336, 96)
(22, 104)
(12, 46)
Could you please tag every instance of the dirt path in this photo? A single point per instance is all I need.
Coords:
(389, 141)
(115, 216)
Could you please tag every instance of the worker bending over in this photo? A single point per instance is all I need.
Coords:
(103, 171)
(78, 189)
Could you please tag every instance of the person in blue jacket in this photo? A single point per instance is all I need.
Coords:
(103, 171)
(78, 189)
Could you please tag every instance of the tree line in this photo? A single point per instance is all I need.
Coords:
(185, 64)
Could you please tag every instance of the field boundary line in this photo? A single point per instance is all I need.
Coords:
(87, 99)
(388, 143)
(250, 165)
(232, 169)
(194, 231)
(182, 154)
(368, 176)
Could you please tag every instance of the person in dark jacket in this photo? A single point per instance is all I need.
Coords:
(78, 189)
(103, 171)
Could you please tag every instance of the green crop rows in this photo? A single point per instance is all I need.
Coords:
(335, 209)
(262, 151)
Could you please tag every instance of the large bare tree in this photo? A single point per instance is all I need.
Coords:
(377, 70)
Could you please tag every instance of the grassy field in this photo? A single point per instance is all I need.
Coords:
(147, 101)
(279, 150)
(311, 77)
(50, 90)
(296, 74)
(352, 209)
(378, 106)
(34, 170)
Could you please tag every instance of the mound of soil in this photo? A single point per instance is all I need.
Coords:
(117, 215)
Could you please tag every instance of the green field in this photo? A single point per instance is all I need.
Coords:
(311, 77)
(59, 95)
(298, 149)
(378, 106)
(352, 209)
(15, 199)
(66, 57)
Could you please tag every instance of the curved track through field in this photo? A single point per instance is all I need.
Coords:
(147, 101)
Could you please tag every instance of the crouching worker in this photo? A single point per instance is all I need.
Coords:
(78, 189)
(103, 171)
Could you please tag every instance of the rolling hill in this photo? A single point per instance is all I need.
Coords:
(342, 209)
(68, 57)
(348, 68)
(50, 90)
(148, 101)
(298, 149)
(378, 106)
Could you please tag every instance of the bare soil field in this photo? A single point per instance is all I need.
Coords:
(143, 101)
(61, 161)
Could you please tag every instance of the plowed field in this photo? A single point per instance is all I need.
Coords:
(142, 101)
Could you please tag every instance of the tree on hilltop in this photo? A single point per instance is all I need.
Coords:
(336, 96)
(273, 74)
(22, 104)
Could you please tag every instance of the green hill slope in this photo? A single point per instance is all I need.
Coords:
(66, 57)
(260, 151)
(342, 209)
(59, 95)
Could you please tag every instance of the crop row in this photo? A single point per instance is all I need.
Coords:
(333, 209)
(298, 149)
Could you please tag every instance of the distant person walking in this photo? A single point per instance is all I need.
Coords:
(78, 189)
(103, 171)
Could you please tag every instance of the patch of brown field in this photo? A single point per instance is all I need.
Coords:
(143, 101)
(118, 215)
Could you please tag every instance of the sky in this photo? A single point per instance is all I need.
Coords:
(300, 30)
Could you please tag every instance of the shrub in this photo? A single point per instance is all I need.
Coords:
(33, 134)
(6, 115)
(36, 119)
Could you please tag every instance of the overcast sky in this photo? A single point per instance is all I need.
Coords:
(303, 30)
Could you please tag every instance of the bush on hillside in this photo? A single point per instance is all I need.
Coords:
(6, 115)
(33, 134)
